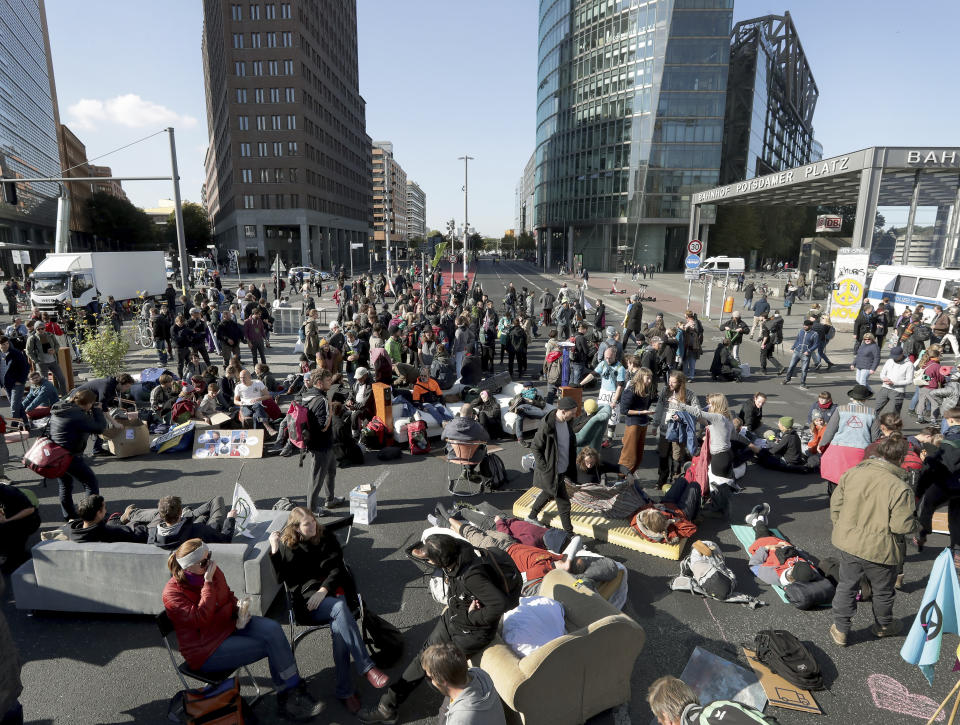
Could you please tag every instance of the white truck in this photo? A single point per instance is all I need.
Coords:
(77, 279)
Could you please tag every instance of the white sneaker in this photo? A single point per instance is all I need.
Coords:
(572, 548)
(757, 513)
(432, 519)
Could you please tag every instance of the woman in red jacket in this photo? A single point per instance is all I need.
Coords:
(214, 636)
(310, 561)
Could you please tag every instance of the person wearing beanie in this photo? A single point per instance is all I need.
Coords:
(780, 562)
(785, 454)
(554, 451)
(896, 374)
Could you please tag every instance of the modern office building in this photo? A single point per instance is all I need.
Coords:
(73, 152)
(416, 211)
(29, 118)
(389, 202)
(770, 102)
(630, 108)
(523, 199)
(288, 167)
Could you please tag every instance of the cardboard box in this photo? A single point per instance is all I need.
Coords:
(129, 440)
(363, 504)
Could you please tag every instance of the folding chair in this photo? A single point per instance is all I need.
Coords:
(300, 629)
(184, 670)
(466, 454)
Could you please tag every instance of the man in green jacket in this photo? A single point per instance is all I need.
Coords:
(872, 510)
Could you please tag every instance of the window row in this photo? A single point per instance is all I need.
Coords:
(269, 176)
(260, 95)
(275, 123)
(263, 148)
(273, 68)
(271, 201)
(283, 39)
(253, 11)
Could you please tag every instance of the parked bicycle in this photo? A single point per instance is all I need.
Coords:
(143, 333)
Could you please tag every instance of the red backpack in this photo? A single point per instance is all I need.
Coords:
(182, 410)
(417, 437)
(298, 424)
(375, 434)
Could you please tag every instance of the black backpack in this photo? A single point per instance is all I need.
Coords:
(384, 641)
(492, 467)
(922, 332)
(786, 656)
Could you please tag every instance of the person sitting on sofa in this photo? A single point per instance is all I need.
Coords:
(19, 518)
(249, 395)
(215, 633)
(174, 528)
(42, 395)
(94, 527)
(476, 600)
(674, 702)
(309, 560)
(469, 697)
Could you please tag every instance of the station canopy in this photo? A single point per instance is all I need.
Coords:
(871, 177)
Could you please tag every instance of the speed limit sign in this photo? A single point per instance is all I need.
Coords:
(695, 246)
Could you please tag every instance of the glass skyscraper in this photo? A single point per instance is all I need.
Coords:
(28, 126)
(772, 98)
(630, 114)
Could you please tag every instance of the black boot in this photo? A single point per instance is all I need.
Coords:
(298, 705)
(382, 713)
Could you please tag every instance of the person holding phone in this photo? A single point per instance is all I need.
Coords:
(214, 634)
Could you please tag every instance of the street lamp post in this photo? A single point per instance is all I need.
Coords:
(466, 223)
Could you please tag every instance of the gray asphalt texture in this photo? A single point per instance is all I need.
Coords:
(114, 669)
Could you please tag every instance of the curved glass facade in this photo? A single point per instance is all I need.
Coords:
(630, 109)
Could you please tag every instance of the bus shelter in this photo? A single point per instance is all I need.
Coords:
(880, 176)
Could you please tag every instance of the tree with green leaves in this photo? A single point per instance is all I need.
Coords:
(116, 219)
(196, 228)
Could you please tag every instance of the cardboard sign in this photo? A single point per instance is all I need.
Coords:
(780, 692)
(241, 444)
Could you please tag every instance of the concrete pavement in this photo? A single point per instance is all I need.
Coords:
(87, 669)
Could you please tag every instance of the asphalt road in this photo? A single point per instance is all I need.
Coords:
(109, 669)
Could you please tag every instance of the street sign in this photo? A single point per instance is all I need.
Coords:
(692, 261)
(829, 223)
(356, 245)
(278, 266)
(695, 246)
(691, 274)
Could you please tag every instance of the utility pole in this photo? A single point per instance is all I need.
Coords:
(466, 223)
(386, 211)
(178, 215)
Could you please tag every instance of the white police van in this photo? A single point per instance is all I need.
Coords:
(908, 286)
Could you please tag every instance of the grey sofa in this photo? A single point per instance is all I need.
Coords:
(129, 578)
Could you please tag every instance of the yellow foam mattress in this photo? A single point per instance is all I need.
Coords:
(587, 523)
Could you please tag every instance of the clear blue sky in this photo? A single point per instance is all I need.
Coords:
(446, 77)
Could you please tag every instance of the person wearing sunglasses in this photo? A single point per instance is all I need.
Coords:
(215, 634)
